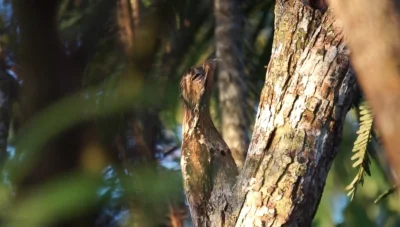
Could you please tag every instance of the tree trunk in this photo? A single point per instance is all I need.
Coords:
(229, 52)
(308, 90)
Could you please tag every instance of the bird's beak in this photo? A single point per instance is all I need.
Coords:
(210, 64)
(209, 67)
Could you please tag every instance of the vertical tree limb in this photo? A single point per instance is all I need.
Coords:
(135, 8)
(48, 74)
(307, 93)
(372, 31)
(308, 90)
(229, 52)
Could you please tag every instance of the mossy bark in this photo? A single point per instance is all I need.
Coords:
(309, 88)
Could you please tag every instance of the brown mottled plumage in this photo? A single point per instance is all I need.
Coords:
(207, 165)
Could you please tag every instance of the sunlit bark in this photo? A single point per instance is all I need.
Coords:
(309, 88)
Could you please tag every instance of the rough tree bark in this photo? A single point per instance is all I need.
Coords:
(308, 90)
(229, 52)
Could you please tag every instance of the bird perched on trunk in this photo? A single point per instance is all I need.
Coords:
(208, 168)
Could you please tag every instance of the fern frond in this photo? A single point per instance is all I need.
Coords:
(361, 157)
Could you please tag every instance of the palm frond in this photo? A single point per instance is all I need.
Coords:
(361, 157)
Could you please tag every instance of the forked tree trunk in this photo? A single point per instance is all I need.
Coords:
(308, 90)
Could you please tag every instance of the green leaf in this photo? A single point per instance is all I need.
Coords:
(361, 157)
(67, 113)
(65, 197)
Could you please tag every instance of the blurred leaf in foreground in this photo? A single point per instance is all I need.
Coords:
(60, 199)
(67, 113)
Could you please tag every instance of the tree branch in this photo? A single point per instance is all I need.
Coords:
(372, 31)
(307, 93)
(229, 51)
(309, 88)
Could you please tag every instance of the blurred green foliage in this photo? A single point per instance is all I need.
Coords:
(336, 209)
(115, 86)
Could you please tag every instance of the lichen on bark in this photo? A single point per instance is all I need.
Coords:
(309, 88)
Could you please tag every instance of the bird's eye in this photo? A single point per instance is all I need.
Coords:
(196, 76)
(197, 72)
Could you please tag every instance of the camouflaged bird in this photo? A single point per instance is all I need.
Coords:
(207, 165)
